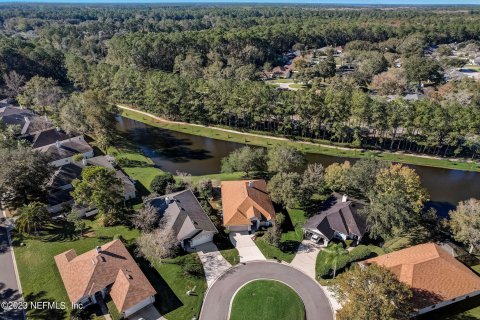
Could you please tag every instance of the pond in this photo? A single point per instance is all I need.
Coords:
(175, 151)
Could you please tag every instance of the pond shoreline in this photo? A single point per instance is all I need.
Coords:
(306, 146)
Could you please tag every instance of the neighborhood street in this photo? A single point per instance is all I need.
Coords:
(217, 301)
(9, 287)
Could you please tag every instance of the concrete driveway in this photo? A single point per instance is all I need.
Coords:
(216, 304)
(214, 264)
(306, 257)
(247, 249)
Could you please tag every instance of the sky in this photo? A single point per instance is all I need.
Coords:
(353, 2)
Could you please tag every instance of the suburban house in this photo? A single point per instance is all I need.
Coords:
(63, 151)
(246, 205)
(435, 276)
(284, 72)
(182, 213)
(107, 270)
(25, 119)
(48, 136)
(341, 221)
(60, 185)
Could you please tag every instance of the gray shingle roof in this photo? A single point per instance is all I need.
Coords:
(46, 137)
(67, 148)
(341, 217)
(181, 206)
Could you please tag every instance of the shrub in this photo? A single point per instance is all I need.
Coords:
(359, 253)
(159, 183)
(192, 267)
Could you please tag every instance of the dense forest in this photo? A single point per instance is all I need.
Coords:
(207, 65)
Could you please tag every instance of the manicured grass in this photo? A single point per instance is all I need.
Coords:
(292, 235)
(136, 165)
(307, 145)
(220, 177)
(39, 275)
(267, 300)
(297, 86)
(281, 81)
(172, 299)
(231, 255)
(324, 262)
(472, 67)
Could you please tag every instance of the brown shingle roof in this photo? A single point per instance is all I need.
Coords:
(432, 273)
(242, 202)
(93, 271)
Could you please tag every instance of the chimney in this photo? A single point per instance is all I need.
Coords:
(98, 248)
(57, 143)
(250, 184)
(58, 129)
(344, 198)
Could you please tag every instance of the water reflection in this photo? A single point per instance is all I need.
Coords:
(174, 151)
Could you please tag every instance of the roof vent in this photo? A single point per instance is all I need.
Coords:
(84, 161)
(57, 143)
(130, 277)
(98, 248)
(344, 198)
(168, 200)
(250, 184)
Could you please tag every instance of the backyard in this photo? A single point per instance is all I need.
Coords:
(267, 300)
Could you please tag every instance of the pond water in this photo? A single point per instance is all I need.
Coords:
(175, 151)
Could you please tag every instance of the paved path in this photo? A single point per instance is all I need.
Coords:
(306, 257)
(216, 304)
(214, 264)
(247, 249)
(10, 289)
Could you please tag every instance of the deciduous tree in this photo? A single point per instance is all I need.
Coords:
(284, 158)
(372, 292)
(465, 223)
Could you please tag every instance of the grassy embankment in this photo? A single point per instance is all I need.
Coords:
(307, 145)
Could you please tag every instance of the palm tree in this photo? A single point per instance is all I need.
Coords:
(32, 216)
(334, 253)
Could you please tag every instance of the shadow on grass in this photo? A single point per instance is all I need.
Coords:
(53, 311)
(165, 300)
(61, 230)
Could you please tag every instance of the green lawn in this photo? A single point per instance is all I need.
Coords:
(39, 275)
(292, 235)
(267, 300)
(172, 286)
(297, 86)
(307, 145)
(472, 67)
(135, 164)
(231, 255)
